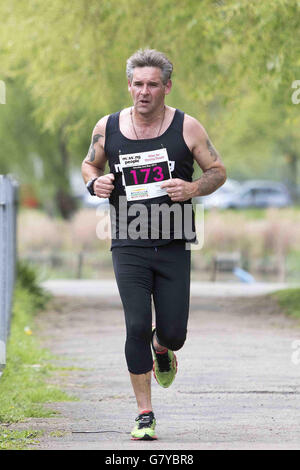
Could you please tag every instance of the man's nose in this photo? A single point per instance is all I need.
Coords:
(145, 89)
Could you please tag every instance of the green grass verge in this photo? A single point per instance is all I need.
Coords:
(24, 385)
(17, 440)
(289, 301)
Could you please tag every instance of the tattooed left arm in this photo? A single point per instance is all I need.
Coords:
(207, 157)
(205, 154)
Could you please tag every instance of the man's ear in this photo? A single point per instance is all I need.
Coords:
(129, 85)
(168, 87)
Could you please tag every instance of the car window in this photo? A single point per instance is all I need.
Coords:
(263, 192)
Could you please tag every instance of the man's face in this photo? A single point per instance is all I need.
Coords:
(147, 89)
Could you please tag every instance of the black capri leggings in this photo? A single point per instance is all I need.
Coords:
(164, 272)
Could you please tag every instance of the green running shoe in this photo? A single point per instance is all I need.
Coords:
(145, 427)
(164, 366)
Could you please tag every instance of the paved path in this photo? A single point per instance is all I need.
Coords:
(236, 388)
(209, 289)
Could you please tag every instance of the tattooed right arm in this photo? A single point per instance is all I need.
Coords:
(94, 163)
(91, 152)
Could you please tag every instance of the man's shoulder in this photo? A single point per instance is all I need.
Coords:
(192, 125)
(100, 125)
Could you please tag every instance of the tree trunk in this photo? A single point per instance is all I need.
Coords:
(65, 202)
(292, 160)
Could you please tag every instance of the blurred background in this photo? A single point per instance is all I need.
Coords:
(236, 64)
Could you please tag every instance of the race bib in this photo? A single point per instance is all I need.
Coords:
(143, 173)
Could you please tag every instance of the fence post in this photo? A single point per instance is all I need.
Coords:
(2, 275)
(8, 213)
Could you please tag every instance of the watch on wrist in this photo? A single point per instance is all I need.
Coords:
(90, 186)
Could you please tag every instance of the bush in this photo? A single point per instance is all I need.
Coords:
(23, 385)
(27, 280)
(289, 300)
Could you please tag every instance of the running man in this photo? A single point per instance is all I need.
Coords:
(150, 149)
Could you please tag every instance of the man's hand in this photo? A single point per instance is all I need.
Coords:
(103, 185)
(179, 190)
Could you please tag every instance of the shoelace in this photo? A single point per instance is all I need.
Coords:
(145, 420)
(163, 362)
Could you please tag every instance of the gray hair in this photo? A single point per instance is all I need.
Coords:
(149, 58)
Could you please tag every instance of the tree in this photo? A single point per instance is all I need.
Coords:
(32, 155)
(72, 58)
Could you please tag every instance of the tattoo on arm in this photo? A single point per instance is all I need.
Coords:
(211, 180)
(212, 150)
(91, 152)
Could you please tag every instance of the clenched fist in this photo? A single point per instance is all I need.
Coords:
(103, 185)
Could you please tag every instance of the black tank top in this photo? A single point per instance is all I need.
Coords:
(181, 166)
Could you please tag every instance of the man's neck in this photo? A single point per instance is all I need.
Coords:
(146, 119)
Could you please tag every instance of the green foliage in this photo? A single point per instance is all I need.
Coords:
(24, 384)
(31, 154)
(27, 280)
(289, 300)
(234, 66)
(17, 440)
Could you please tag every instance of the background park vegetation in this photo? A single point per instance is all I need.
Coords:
(235, 63)
(64, 67)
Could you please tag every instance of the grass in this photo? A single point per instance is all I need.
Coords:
(17, 440)
(293, 265)
(25, 384)
(289, 301)
(251, 213)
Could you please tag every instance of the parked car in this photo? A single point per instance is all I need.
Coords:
(221, 196)
(260, 193)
